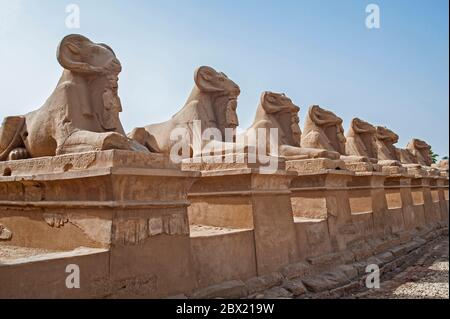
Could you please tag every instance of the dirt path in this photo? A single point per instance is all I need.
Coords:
(428, 278)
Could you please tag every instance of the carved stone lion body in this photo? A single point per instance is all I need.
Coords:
(213, 102)
(277, 111)
(323, 129)
(81, 115)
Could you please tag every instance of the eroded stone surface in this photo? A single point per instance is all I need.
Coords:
(5, 233)
(82, 114)
(259, 284)
(323, 129)
(212, 102)
(295, 287)
(361, 139)
(276, 111)
(228, 290)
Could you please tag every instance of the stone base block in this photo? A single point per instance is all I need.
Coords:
(362, 167)
(317, 165)
(132, 205)
(234, 162)
(393, 170)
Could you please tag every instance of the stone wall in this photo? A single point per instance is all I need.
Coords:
(149, 231)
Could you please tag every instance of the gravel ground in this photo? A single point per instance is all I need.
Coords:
(427, 279)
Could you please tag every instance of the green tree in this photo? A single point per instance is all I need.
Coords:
(434, 156)
(445, 158)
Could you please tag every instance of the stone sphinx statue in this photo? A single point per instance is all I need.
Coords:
(420, 151)
(407, 157)
(417, 155)
(385, 140)
(442, 166)
(361, 140)
(277, 111)
(212, 102)
(387, 153)
(323, 130)
(82, 114)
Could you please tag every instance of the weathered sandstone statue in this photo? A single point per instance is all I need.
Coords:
(361, 140)
(386, 150)
(277, 111)
(387, 153)
(323, 130)
(213, 102)
(417, 158)
(421, 152)
(443, 165)
(81, 115)
(364, 139)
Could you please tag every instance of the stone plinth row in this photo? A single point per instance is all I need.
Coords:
(149, 229)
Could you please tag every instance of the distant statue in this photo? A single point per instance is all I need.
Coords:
(442, 166)
(213, 102)
(277, 111)
(81, 115)
(421, 152)
(361, 140)
(323, 129)
(385, 140)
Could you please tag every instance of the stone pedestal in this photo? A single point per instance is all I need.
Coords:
(240, 196)
(416, 170)
(128, 203)
(323, 194)
(441, 187)
(367, 195)
(431, 213)
(399, 195)
(393, 170)
(362, 167)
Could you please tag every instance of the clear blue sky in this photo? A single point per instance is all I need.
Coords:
(317, 52)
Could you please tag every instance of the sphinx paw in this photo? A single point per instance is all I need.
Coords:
(18, 154)
(111, 141)
(328, 154)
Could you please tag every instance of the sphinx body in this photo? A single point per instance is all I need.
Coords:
(360, 140)
(442, 166)
(418, 153)
(323, 129)
(212, 103)
(385, 140)
(415, 157)
(387, 153)
(421, 151)
(82, 114)
(277, 111)
(375, 143)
